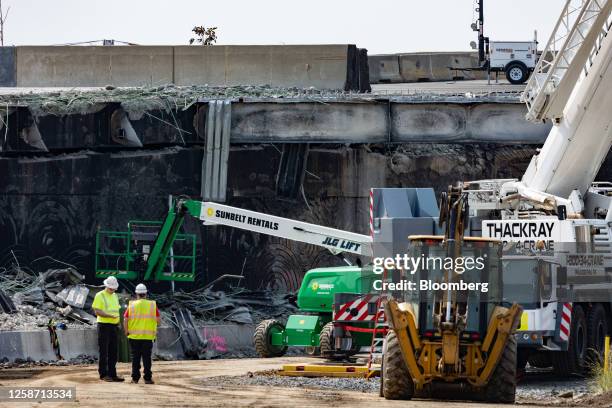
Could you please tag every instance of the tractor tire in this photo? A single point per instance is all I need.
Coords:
(573, 361)
(262, 338)
(502, 384)
(517, 73)
(597, 329)
(326, 341)
(396, 380)
(539, 359)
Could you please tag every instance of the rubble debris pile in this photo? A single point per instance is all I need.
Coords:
(232, 305)
(56, 297)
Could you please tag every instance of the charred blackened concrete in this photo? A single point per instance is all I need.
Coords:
(54, 198)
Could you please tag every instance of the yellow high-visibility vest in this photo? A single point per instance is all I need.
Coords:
(142, 320)
(108, 303)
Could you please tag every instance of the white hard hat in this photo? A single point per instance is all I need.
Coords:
(141, 289)
(111, 282)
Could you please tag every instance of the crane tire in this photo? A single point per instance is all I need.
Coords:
(573, 361)
(597, 330)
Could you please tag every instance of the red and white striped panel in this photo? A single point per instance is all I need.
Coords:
(566, 322)
(355, 310)
(372, 213)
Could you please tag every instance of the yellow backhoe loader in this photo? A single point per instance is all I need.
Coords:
(454, 337)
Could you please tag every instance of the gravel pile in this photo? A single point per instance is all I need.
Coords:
(536, 388)
(321, 383)
(548, 387)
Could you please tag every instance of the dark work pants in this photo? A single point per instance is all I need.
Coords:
(141, 349)
(107, 347)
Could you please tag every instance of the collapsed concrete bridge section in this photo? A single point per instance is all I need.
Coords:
(74, 162)
(48, 126)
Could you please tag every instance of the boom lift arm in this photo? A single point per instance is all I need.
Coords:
(210, 213)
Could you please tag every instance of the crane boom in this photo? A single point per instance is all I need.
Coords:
(573, 43)
(581, 139)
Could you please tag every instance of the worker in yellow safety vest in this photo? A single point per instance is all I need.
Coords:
(140, 324)
(106, 307)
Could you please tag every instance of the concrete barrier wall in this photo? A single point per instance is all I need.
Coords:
(286, 66)
(94, 66)
(23, 344)
(222, 339)
(319, 66)
(384, 69)
(436, 66)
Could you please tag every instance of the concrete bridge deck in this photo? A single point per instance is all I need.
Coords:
(56, 119)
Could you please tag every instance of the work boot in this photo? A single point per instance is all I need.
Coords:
(134, 381)
(114, 379)
(149, 382)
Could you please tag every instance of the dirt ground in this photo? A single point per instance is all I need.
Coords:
(183, 384)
